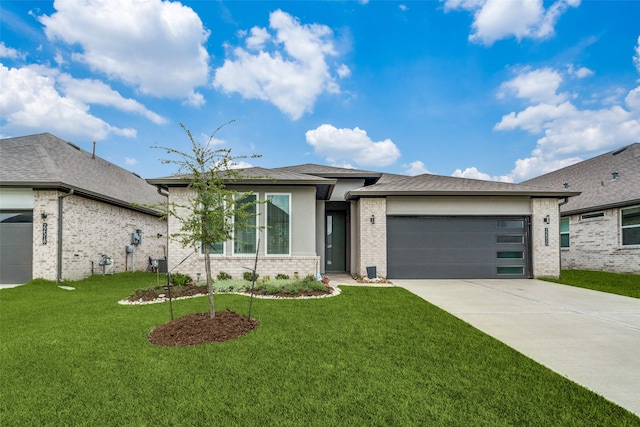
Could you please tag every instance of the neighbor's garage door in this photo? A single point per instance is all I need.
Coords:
(16, 247)
(457, 247)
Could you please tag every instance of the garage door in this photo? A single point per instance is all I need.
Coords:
(16, 247)
(457, 247)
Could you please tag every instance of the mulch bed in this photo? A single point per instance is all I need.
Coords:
(200, 328)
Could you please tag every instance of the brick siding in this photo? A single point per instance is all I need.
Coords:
(372, 249)
(595, 245)
(90, 229)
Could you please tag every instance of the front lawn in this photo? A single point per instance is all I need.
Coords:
(621, 284)
(370, 356)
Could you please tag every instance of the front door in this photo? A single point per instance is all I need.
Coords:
(335, 253)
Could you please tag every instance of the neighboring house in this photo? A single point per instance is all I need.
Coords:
(62, 209)
(332, 219)
(600, 228)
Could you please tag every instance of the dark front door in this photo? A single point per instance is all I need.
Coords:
(335, 253)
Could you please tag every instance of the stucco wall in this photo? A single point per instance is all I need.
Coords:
(90, 229)
(303, 259)
(545, 238)
(373, 236)
(595, 245)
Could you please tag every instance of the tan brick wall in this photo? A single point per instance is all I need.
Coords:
(372, 250)
(90, 229)
(545, 254)
(595, 245)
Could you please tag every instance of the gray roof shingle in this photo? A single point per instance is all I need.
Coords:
(46, 161)
(595, 180)
(427, 184)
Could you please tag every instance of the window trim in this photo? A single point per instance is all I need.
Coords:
(233, 245)
(626, 227)
(266, 212)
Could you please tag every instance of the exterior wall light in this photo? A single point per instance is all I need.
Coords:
(547, 219)
(372, 220)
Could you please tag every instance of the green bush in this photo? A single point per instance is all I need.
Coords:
(248, 276)
(223, 276)
(282, 277)
(180, 279)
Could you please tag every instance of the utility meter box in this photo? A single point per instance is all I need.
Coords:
(136, 239)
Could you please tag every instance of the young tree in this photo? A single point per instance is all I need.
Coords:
(211, 215)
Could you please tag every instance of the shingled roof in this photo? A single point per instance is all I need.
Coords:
(323, 171)
(431, 185)
(260, 176)
(609, 180)
(45, 161)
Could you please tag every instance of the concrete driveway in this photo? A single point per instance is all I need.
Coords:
(592, 338)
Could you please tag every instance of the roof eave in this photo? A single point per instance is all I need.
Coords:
(351, 195)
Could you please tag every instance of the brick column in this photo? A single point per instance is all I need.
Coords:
(372, 246)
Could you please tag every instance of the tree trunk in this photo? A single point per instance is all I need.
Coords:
(207, 269)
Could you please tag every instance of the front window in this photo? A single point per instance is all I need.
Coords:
(245, 238)
(631, 226)
(564, 233)
(278, 224)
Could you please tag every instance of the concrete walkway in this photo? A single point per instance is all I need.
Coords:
(592, 338)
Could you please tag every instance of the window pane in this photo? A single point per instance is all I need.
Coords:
(511, 255)
(214, 249)
(631, 236)
(278, 224)
(510, 239)
(510, 270)
(564, 240)
(631, 216)
(510, 223)
(244, 238)
(564, 225)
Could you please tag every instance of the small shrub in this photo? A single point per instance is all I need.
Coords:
(223, 276)
(180, 279)
(282, 277)
(266, 278)
(248, 276)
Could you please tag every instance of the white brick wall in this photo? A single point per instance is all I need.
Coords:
(372, 250)
(595, 245)
(91, 228)
(545, 249)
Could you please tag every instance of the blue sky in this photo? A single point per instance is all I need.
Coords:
(488, 89)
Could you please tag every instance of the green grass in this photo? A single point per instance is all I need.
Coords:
(614, 283)
(368, 357)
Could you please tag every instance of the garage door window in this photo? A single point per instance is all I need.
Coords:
(510, 255)
(510, 239)
(510, 223)
(508, 270)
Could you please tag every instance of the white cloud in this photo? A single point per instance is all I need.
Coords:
(130, 162)
(351, 145)
(536, 85)
(403, 7)
(566, 132)
(580, 73)
(500, 19)
(241, 165)
(474, 173)
(291, 74)
(415, 168)
(30, 101)
(9, 52)
(96, 92)
(154, 45)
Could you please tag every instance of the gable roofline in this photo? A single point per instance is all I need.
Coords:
(44, 161)
(370, 177)
(606, 181)
(257, 176)
(438, 185)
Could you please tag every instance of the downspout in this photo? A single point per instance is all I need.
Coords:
(60, 197)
